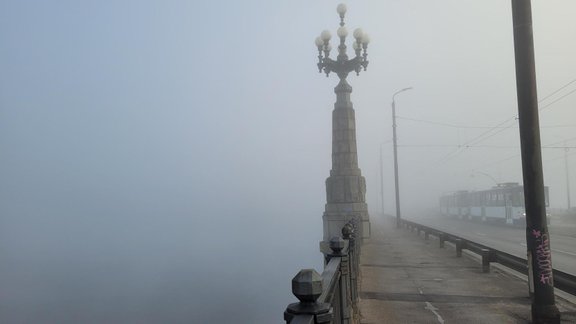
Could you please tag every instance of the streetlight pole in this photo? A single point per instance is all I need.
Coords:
(381, 180)
(567, 178)
(394, 139)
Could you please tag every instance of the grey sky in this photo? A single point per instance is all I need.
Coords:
(137, 134)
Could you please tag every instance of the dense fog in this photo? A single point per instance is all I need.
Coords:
(164, 161)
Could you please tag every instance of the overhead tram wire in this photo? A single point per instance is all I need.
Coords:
(447, 145)
(559, 126)
(483, 166)
(492, 131)
(440, 123)
(469, 126)
(499, 130)
(518, 155)
(516, 116)
(557, 90)
(560, 157)
(562, 141)
(559, 147)
(482, 137)
(478, 138)
(558, 99)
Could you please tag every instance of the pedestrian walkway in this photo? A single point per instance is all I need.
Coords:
(406, 279)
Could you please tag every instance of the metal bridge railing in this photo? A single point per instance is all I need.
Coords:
(562, 280)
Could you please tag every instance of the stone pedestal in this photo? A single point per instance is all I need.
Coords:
(346, 187)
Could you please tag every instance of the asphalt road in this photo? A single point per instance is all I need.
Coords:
(510, 239)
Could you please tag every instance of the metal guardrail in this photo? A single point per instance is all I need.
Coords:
(562, 280)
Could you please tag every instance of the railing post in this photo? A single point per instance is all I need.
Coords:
(459, 247)
(307, 287)
(426, 235)
(486, 258)
(442, 238)
(348, 234)
(336, 245)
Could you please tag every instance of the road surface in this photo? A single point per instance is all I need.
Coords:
(511, 239)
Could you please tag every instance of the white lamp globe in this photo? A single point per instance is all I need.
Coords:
(325, 35)
(365, 39)
(341, 9)
(342, 32)
(318, 41)
(358, 33)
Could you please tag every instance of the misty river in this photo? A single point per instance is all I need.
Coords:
(152, 268)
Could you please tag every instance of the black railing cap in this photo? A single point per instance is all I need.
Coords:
(337, 244)
(307, 285)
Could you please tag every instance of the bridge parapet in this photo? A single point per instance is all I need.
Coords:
(330, 297)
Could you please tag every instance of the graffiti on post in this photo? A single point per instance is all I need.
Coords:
(543, 259)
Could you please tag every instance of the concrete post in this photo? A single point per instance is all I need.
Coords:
(307, 287)
(540, 267)
(442, 238)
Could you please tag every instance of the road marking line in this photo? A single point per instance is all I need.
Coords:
(566, 252)
(555, 250)
(433, 309)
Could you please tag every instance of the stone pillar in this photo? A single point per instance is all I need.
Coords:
(346, 187)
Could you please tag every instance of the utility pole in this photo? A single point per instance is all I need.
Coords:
(396, 182)
(541, 281)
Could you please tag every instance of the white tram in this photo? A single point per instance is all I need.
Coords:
(503, 203)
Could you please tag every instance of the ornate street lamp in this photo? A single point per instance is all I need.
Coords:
(346, 187)
(342, 66)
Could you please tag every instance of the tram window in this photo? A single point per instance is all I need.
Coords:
(515, 199)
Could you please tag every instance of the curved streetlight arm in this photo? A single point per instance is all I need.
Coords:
(397, 92)
(487, 175)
